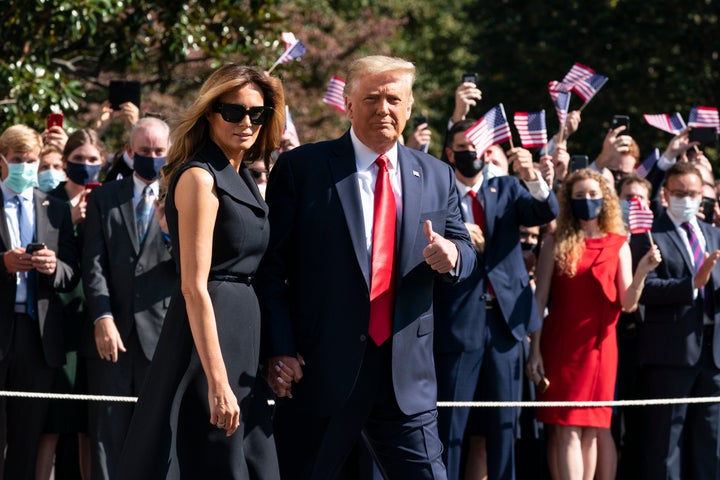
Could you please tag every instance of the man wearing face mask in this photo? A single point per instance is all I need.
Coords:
(678, 341)
(38, 259)
(481, 323)
(128, 277)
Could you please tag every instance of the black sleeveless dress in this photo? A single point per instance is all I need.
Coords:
(170, 434)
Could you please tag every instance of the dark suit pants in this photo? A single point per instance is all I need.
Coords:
(407, 446)
(108, 422)
(681, 441)
(24, 368)
(491, 373)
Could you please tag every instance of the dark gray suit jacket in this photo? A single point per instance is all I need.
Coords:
(120, 277)
(53, 227)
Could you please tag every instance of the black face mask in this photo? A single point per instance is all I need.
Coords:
(467, 163)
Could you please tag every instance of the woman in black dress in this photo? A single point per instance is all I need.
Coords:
(198, 407)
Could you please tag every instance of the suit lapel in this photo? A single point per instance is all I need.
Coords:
(4, 232)
(127, 210)
(344, 173)
(411, 175)
(490, 197)
(41, 226)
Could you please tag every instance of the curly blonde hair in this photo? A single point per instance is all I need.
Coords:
(569, 235)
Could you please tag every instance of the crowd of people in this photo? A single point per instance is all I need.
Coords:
(358, 281)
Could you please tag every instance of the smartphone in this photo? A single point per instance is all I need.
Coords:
(708, 209)
(419, 120)
(621, 120)
(470, 77)
(578, 162)
(34, 247)
(92, 185)
(703, 135)
(54, 120)
(121, 91)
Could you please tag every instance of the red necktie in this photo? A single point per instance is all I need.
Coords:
(382, 282)
(479, 215)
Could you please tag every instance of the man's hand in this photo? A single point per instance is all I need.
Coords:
(77, 213)
(521, 161)
(703, 274)
(16, 260)
(440, 253)
(281, 371)
(476, 235)
(466, 95)
(107, 339)
(547, 169)
(420, 137)
(44, 261)
(55, 137)
(679, 145)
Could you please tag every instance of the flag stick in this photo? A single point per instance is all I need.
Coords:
(582, 107)
(652, 243)
(274, 65)
(511, 143)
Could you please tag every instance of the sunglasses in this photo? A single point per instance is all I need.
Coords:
(234, 113)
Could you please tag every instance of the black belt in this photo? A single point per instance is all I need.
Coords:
(20, 308)
(246, 279)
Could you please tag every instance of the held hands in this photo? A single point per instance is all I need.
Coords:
(703, 274)
(224, 409)
(16, 261)
(440, 253)
(282, 370)
(108, 340)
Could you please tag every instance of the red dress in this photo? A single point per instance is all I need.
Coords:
(578, 342)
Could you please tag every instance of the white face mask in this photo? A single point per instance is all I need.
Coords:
(683, 209)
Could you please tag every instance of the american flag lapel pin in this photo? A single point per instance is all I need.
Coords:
(493, 190)
(416, 173)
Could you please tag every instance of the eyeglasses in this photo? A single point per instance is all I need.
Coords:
(234, 113)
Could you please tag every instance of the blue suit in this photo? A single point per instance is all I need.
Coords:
(313, 287)
(679, 357)
(478, 346)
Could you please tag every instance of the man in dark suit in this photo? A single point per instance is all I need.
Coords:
(481, 323)
(360, 229)
(678, 341)
(128, 277)
(31, 342)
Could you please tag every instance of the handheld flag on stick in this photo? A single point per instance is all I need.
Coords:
(576, 73)
(293, 49)
(646, 165)
(491, 129)
(290, 126)
(334, 94)
(704, 117)
(532, 129)
(667, 123)
(586, 88)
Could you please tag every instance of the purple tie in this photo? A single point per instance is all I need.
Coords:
(698, 258)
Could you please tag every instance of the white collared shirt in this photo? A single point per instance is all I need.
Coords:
(138, 187)
(11, 219)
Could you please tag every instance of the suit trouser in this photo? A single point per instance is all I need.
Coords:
(24, 368)
(491, 373)
(681, 441)
(108, 422)
(314, 447)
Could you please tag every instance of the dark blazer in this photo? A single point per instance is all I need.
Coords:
(133, 284)
(53, 227)
(671, 333)
(313, 282)
(460, 310)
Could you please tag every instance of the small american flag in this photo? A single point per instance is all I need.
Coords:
(491, 129)
(646, 165)
(667, 123)
(555, 88)
(586, 88)
(290, 126)
(531, 127)
(561, 99)
(640, 218)
(577, 72)
(704, 117)
(334, 94)
(294, 48)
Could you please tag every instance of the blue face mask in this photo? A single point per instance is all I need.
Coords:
(148, 167)
(21, 176)
(82, 173)
(586, 208)
(49, 179)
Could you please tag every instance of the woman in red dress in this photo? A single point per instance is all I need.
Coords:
(586, 269)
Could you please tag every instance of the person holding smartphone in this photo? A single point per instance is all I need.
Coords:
(39, 259)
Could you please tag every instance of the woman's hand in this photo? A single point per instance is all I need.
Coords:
(534, 368)
(650, 260)
(224, 409)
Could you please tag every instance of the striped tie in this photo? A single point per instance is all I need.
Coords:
(698, 257)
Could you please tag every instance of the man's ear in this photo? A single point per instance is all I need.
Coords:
(450, 155)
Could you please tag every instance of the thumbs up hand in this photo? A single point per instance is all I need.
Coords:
(441, 254)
